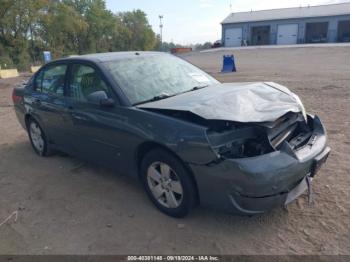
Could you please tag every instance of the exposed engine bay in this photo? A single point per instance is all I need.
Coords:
(230, 139)
(254, 139)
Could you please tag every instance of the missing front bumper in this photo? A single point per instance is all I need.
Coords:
(306, 183)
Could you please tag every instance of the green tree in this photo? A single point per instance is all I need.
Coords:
(102, 26)
(141, 35)
(60, 28)
(18, 29)
(66, 27)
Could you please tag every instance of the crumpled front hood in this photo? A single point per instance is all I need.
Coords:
(239, 102)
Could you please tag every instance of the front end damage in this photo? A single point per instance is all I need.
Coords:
(263, 147)
(261, 165)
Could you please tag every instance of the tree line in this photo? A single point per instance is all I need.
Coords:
(167, 46)
(68, 27)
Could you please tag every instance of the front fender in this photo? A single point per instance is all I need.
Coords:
(187, 140)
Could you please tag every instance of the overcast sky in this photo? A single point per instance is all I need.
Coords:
(198, 21)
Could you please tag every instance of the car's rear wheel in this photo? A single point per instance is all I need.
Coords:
(38, 139)
(168, 183)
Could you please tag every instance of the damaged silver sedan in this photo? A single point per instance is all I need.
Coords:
(240, 147)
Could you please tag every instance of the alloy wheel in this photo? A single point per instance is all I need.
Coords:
(165, 185)
(37, 137)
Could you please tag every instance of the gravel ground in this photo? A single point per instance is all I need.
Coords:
(65, 206)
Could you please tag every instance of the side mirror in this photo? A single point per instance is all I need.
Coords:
(100, 98)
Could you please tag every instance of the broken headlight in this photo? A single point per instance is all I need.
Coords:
(241, 142)
(247, 148)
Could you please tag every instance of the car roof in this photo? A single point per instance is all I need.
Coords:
(112, 56)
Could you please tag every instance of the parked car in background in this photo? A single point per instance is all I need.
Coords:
(216, 44)
(239, 147)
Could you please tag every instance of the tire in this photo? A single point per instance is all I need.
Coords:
(38, 138)
(168, 183)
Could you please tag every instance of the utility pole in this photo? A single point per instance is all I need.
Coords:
(161, 28)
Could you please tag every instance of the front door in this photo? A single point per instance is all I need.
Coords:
(95, 133)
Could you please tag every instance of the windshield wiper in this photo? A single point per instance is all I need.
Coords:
(194, 89)
(165, 95)
(155, 98)
(198, 87)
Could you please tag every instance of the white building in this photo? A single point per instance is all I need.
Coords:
(312, 24)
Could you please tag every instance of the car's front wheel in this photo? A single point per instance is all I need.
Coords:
(168, 183)
(38, 139)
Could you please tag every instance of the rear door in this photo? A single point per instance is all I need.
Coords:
(96, 131)
(49, 103)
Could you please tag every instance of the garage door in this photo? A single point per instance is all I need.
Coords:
(287, 34)
(233, 37)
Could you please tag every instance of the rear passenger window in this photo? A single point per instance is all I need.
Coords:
(51, 80)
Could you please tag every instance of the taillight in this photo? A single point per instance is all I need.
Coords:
(15, 98)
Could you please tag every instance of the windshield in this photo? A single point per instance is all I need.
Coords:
(157, 76)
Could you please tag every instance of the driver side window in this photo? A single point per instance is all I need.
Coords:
(84, 81)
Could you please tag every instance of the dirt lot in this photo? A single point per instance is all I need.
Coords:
(70, 207)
